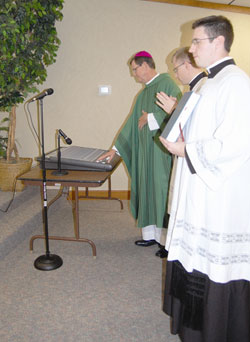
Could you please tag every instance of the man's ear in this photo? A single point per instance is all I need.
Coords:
(187, 64)
(220, 40)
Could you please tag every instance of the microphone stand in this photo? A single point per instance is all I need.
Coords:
(59, 171)
(46, 262)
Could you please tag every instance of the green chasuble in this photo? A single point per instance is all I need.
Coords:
(147, 160)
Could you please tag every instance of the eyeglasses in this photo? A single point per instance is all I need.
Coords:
(176, 68)
(134, 69)
(196, 41)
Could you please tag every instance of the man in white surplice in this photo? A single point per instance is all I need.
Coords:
(209, 229)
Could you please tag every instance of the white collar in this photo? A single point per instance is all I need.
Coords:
(218, 62)
(152, 79)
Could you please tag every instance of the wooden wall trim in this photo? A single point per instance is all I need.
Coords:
(121, 194)
(207, 4)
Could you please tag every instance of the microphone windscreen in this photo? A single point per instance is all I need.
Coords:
(50, 91)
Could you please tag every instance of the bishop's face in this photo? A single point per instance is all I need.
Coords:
(202, 48)
(139, 72)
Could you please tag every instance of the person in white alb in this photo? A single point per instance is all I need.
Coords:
(207, 291)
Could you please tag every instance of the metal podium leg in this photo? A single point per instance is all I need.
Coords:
(75, 211)
(102, 197)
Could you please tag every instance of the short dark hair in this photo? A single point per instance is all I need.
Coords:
(217, 25)
(183, 54)
(140, 60)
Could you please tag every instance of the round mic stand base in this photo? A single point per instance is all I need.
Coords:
(48, 262)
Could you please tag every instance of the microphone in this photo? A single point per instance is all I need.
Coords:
(67, 139)
(41, 95)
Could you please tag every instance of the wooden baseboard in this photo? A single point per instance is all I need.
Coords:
(121, 194)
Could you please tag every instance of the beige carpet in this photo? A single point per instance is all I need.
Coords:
(115, 297)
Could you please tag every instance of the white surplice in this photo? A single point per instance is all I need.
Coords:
(209, 228)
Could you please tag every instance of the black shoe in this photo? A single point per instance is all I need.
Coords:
(145, 243)
(162, 253)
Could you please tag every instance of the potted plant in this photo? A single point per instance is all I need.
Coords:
(29, 43)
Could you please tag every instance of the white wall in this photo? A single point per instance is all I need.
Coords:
(98, 37)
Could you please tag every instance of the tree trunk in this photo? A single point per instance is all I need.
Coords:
(11, 147)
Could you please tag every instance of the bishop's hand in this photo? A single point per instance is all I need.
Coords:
(108, 156)
(143, 120)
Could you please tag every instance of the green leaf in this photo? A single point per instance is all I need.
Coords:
(28, 44)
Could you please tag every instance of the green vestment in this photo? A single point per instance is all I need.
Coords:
(147, 160)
